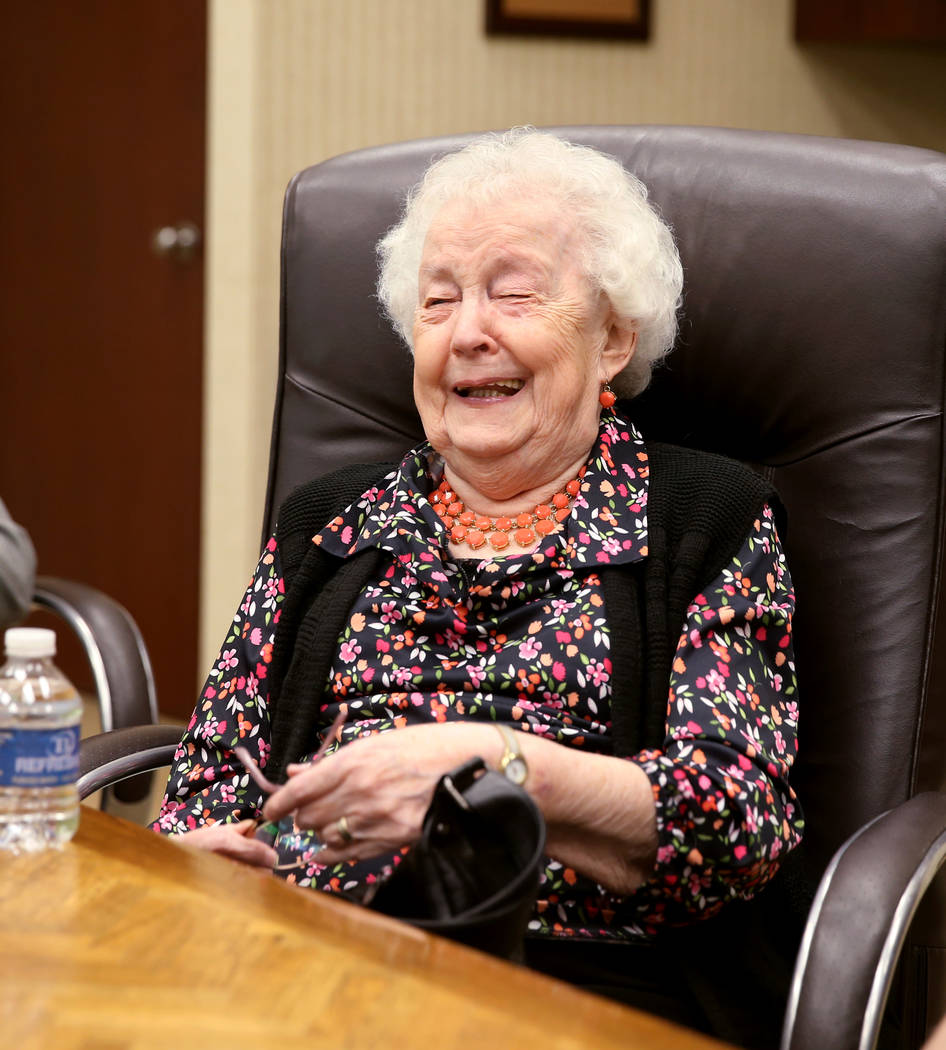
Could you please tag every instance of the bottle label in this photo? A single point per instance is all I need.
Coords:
(38, 758)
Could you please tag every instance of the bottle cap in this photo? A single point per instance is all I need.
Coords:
(30, 641)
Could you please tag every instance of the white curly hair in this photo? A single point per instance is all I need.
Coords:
(628, 251)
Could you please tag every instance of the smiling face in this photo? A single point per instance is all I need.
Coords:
(511, 346)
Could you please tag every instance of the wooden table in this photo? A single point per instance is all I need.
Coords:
(125, 940)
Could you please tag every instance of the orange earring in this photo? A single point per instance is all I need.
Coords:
(606, 397)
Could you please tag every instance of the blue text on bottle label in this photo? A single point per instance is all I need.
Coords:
(38, 758)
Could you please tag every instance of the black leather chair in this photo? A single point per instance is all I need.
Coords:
(118, 660)
(112, 643)
(812, 346)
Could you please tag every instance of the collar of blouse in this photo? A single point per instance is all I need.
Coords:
(607, 523)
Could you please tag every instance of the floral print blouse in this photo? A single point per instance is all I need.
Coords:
(525, 640)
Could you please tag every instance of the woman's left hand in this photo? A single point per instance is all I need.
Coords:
(380, 784)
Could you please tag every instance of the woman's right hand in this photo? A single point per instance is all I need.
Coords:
(231, 840)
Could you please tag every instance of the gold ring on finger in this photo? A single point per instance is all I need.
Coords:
(344, 831)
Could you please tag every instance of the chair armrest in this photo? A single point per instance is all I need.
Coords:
(114, 647)
(110, 757)
(857, 926)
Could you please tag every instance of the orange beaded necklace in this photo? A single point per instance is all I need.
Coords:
(476, 530)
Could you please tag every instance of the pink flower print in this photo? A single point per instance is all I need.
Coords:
(777, 682)
(256, 636)
(270, 592)
(252, 685)
(698, 882)
(779, 742)
(349, 651)
(560, 606)
(715, 682)
(665, 854)
(169, 819)
(477, 676)
(403, 675)
(529, 649)
(598, 672)
(227, 794)
(611, 545)
(389, 612)
(211, 728)
(228, 660)
(558, 671)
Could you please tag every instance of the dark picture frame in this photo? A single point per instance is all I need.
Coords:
(604, 19)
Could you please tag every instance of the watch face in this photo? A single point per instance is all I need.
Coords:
(516, 770)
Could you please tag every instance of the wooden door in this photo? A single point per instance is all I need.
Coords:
(103, 123)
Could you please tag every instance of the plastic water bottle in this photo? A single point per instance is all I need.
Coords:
(40, 713)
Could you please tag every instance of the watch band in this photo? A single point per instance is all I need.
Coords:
(512, 764)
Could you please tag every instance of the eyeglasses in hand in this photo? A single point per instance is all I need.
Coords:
(267, 830)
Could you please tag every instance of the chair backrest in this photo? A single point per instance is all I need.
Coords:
(812, 346)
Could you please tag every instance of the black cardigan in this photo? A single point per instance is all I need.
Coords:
(700, 509)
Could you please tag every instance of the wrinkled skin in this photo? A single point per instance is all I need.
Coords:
(502, 297)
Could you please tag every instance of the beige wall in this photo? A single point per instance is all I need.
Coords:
(295, 81)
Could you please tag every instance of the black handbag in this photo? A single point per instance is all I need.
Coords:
(474, 873)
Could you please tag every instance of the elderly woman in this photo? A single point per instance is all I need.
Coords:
(606, 620)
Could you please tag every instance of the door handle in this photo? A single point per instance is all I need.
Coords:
(178, 242)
